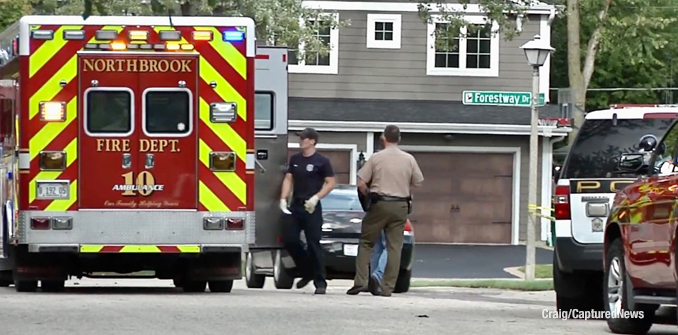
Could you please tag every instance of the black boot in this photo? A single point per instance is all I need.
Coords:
(356, 289)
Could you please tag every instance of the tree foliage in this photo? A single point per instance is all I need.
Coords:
(279, 22)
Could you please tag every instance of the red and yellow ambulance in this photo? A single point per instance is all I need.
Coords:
(132, 150)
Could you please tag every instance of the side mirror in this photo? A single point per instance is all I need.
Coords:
(630, 162)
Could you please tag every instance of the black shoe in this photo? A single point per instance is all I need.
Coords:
(374, 286)
(320, 290)
(356, 289)
(303, 282)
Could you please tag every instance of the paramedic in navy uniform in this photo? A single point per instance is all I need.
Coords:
(311, 176)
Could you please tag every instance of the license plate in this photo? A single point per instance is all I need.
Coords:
(351, 250)
(52, 190)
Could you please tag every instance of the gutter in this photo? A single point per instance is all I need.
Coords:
(438, 128)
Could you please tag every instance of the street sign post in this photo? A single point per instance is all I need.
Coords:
(494, 98)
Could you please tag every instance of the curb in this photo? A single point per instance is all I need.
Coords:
(447, 280)
(515, 272)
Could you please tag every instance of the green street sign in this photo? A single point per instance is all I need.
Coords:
(493, 98)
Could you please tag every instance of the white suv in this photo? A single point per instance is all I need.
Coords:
(584, 194)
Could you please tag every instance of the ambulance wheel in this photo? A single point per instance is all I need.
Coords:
(282, 278)
(221, 286)
(52, 285)
(26, 285)
(253, 279)
(194, 286)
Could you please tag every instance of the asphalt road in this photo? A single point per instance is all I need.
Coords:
(154, 307)
(471, 261)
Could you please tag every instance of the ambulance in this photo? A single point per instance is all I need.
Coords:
(128, 147)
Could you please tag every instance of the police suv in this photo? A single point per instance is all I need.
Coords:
(584, 193)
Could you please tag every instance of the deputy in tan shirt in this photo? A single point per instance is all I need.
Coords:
(390, 173)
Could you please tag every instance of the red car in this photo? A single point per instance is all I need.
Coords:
(640, 238)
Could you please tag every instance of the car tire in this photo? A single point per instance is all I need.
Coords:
(403, 281)
(26, 285)
(282, 277)
(221, 286)
(615, 289)
(194, 286)
(252, 279)
(52, 285)
(579, 290)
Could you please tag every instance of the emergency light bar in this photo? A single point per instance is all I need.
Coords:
(104, 35)
(138, 35)
(202, 35)
(74, 34)
(170, 35)
(52, 111)
(121, 46)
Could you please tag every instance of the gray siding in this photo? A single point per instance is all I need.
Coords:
(359, 139)
(492, 141)
(401, 73)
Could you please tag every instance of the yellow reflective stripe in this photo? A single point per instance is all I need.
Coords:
(189, 248)
(68, 72)
(140, 248)
(41, 56)
(51, 129)
(227, 51)
(208, 199)
(224, 131)
(224, 88)
(71, 154)
(91, 248)
(229, 179)
(52, 87)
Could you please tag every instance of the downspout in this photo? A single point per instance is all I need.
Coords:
(552, 16)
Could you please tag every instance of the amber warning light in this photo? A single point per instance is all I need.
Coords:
(53, 111)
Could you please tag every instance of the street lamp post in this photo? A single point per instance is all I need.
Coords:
(536, 52)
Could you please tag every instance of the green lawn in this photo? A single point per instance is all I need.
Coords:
(541, 270)
(518, 285)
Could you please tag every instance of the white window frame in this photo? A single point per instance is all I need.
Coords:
(372, 19)
(431, 70)
(333, 68)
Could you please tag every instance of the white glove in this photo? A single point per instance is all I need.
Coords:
(283, 206)
(310, 204)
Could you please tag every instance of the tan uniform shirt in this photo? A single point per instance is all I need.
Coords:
(391, 172)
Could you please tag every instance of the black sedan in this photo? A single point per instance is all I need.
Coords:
(341, 233)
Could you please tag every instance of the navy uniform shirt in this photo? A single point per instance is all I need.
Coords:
(309, 174)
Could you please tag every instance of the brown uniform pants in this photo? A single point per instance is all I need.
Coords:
(388, 216)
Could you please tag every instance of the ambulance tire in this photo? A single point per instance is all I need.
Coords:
(26, 285)
(282, 277)
(221, 286)
(194, 286)
(252, 279)
(52, 285)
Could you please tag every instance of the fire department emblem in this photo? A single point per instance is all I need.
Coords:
(309, 167)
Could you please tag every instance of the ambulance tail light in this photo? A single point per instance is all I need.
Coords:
(223, 112)
(41, 223)
(212, 223)
(235, 224)
(408, 228)
(222, 161)
(52, 111)
(53, 160)
(562, 202)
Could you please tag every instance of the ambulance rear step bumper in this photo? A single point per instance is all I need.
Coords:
(127, 249)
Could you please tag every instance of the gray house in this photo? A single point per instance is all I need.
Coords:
(383, 69)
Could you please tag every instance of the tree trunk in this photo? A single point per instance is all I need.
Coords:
(577, 84)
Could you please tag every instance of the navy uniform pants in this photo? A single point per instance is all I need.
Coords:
(309, 260)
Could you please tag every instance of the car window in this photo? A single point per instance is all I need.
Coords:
(600, 142)
(341, 201)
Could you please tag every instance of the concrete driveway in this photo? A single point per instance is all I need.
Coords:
(471, 261)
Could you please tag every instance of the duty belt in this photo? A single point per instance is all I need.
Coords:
(391, 198)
